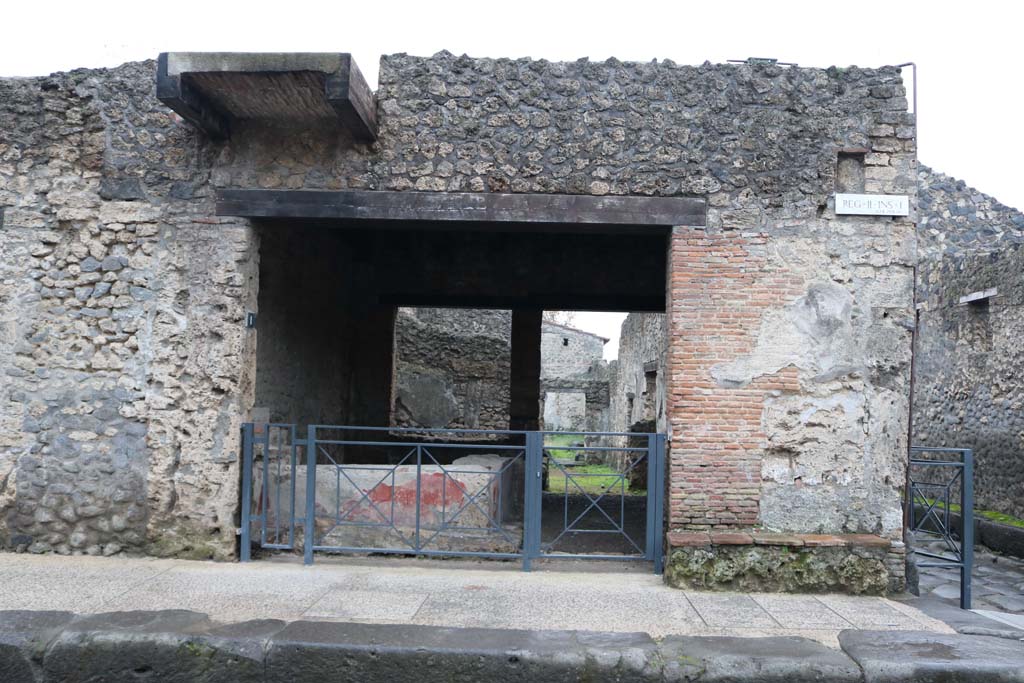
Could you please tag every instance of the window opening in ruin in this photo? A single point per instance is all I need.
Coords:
(850, 172)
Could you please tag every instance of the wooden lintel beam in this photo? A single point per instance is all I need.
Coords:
(463, 206)
(351, 97)
(180, 96)
(632, 303)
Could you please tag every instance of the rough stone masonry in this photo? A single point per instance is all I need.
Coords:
(127, 367)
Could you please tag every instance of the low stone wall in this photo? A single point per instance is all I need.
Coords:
(797, 563)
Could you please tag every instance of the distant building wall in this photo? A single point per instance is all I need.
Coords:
(638, 383)
(568, 352)
(969, 357)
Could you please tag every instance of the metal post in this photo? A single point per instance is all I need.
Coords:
(532, 495)
(967, 530)
(419, 482)
(245, 552)
(659, 504)
(652, 486)
(310, 521)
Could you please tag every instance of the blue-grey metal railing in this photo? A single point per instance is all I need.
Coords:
(477, 501)
(934, 497)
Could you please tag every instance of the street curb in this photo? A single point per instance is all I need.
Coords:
(181, 645)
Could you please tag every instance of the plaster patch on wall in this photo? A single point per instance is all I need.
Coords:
(813, 333)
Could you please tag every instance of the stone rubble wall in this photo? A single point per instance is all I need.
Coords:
(787, 369)
(452, 368)
(969, 363)
(126, 365)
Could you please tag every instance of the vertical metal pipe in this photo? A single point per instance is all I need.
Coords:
(652, 492)
(310, 522)
(291, 477)
(245, 551)
(532, 505)
(659, 505)
(967, 531)
(419, 483)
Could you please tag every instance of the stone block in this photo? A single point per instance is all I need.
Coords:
(934, 657)
(310, 651)
(165, 645)
(24, 635)
(765, 660)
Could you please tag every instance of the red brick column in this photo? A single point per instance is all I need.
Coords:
(719, 286)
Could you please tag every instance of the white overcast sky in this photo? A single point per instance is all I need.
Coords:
(969, 55)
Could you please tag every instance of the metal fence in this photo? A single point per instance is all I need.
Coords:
(939, 476)
(452, 492)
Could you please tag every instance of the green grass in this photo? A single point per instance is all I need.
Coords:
(593, 479)
(558, 444)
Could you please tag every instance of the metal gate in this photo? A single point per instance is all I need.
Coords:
(937, 477)
(452, 492)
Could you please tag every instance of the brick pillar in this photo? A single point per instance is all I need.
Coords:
(719, 286)
(524, 381)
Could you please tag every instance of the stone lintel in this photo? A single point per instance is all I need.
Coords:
(212, 90)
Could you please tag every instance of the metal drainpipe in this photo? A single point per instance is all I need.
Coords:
(907, 502)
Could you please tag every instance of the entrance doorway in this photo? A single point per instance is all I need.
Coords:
(331, 428)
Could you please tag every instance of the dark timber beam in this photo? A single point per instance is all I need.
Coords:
(212, 90)
(462, 206)
(180, 96)
(350, 96)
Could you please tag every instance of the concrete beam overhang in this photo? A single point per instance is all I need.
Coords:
(468, 207)
(212, 90)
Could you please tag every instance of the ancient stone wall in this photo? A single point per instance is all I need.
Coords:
(638, 382)
(969, 362)
(567, 352)
(574, 379)
(789, 326)
(127, 368)
(452, 368)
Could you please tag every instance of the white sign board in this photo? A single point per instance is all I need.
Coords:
(873, 204)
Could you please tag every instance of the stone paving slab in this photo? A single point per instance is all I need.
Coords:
(437, 593)
(997, 580)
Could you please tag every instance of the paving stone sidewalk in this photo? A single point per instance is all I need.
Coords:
(997, 581)
(437, 593)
